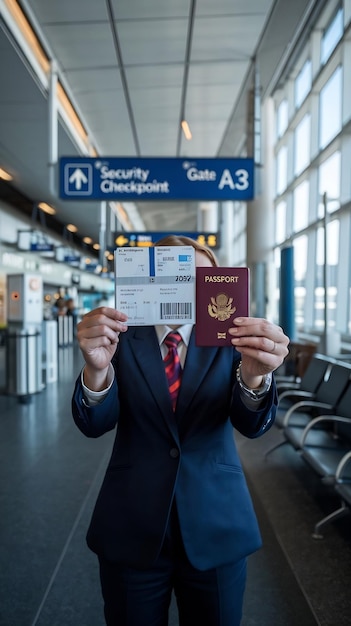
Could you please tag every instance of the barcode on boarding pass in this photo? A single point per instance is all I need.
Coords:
(175, 310)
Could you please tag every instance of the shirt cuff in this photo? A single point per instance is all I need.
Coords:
(251, 403)
(91, 398)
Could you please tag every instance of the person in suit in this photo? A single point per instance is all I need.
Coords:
(174, 514)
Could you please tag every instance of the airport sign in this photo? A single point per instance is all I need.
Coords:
(165, 179)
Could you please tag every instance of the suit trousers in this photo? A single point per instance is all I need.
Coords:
(141, 597)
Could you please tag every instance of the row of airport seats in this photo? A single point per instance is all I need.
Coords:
(314, 417)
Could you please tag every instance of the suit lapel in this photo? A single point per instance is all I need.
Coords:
(146, 350)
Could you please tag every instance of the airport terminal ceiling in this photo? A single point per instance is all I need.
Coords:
(133, 70)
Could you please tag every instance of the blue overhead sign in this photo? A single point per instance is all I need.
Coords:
(42, 246)
(130, 178)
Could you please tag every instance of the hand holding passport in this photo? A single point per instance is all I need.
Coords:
(222, 293)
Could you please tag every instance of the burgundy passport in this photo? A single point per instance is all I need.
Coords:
(222, 293)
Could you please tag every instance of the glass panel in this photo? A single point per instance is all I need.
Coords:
(332, 36)
(301, 205)
(330, 108)
(329, 183)
(303, 83)
(300, 266)
(280, 222)
(328, 274)
(302, 144)
(276, 293)
(282, 170)
(282, 118)
(319, 282)
(333, 230)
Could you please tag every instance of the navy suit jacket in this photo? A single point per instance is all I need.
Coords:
(159, 455)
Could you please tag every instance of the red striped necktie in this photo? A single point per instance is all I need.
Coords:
(172, 365)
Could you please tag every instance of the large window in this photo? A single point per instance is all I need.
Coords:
(313, 191)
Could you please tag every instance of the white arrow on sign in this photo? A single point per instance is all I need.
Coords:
(78, 177)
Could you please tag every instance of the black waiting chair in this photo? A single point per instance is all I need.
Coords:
(342, 487)
(324, 452)
(327, 400)
(290, 392)
(336, 378)
(333, 429)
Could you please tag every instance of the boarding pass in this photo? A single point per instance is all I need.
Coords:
(156, 285)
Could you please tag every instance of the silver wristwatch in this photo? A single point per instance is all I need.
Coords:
(254, 394)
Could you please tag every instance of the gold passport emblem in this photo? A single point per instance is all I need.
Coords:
(221, 308)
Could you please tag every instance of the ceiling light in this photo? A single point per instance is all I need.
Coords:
(71, 112)
(87, 240)
(96, 246)
(47, 208)
(33, 41)
(72, 228)
(28, 34)
(5, 175)
(186, 130)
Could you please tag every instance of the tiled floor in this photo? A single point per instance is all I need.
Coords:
(49, 479)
